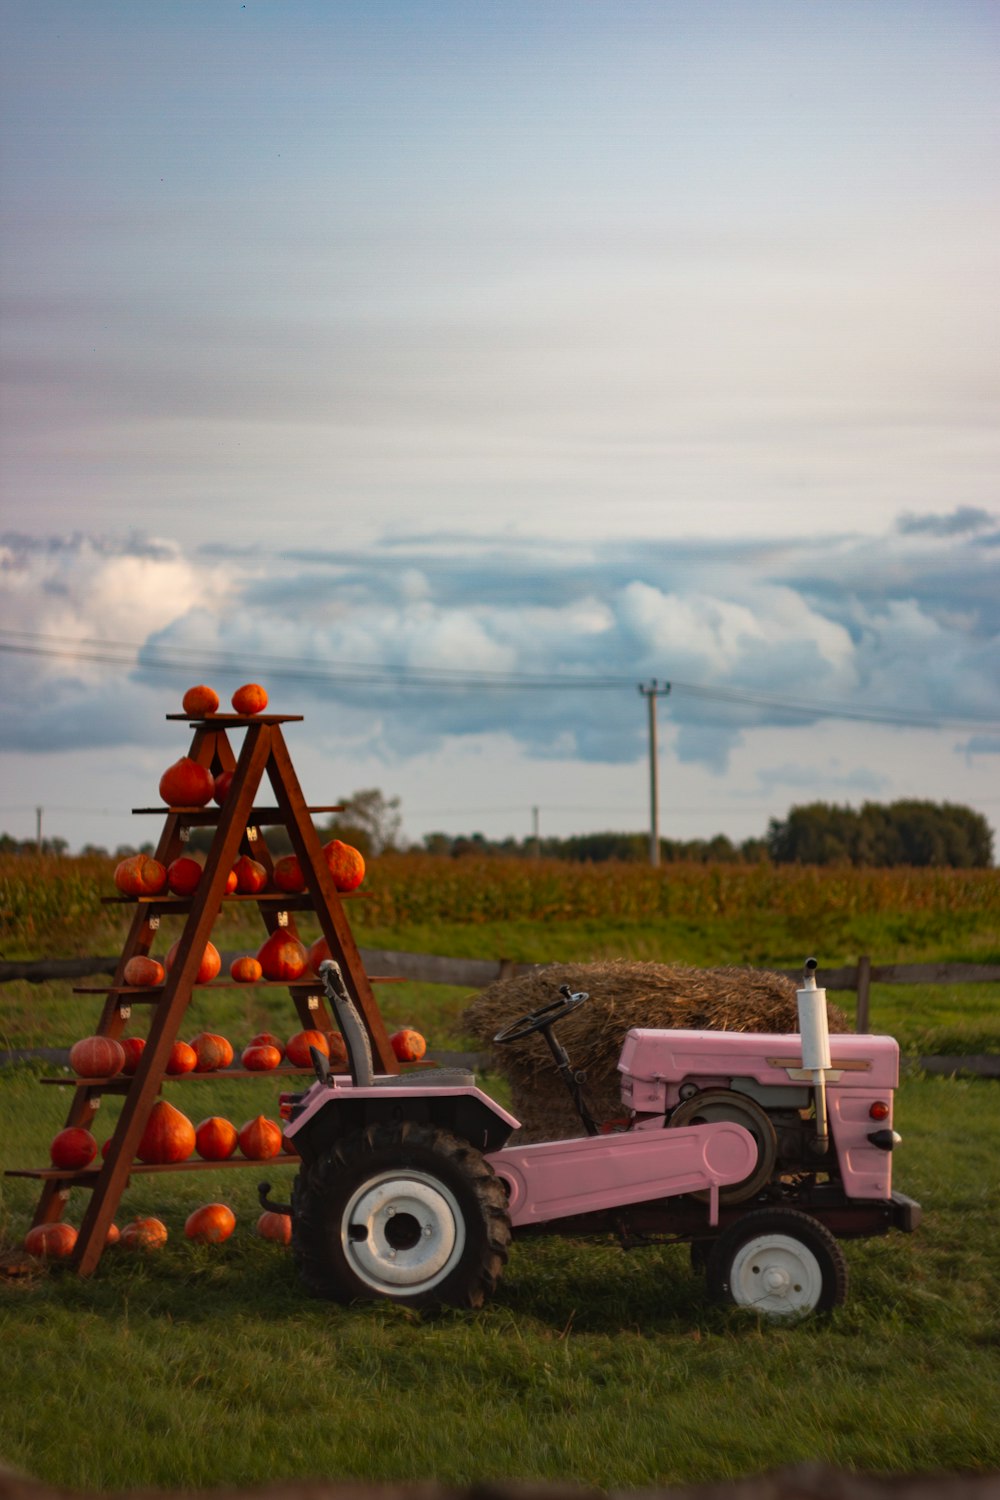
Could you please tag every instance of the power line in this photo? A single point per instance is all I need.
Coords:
(111, 653)
(399, 675)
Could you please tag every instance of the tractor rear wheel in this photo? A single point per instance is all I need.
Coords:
(404, 1212)
(780, 1262)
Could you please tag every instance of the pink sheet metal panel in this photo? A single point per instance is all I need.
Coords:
(556, 1179)
(866, 1171)
(319, 1097)
(652, 1061)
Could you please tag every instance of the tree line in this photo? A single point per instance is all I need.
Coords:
(908, 832)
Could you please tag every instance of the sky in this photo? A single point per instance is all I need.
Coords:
(455, 369)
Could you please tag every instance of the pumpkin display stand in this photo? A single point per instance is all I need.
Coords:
(239, 824)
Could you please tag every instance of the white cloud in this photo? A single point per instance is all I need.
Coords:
(898, 624)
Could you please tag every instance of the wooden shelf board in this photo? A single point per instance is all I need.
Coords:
(301, 901)
(153, 993)
(89, 1176)
(234, 721)
(206, 814)
(192, 1077)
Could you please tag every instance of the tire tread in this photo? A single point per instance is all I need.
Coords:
(317, 1187)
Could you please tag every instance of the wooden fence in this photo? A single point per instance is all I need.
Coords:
(476, 973)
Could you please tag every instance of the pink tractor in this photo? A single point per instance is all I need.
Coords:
(761, 1152)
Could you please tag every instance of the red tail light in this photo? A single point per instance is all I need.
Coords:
(879, 1110)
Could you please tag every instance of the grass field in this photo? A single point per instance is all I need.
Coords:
(196, 1367)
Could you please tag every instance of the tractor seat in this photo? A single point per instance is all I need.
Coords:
(359, 1052)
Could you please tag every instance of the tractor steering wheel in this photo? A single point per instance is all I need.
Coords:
(538, 1020)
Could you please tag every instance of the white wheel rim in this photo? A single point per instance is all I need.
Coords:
(402, 1231)
(776, 1274)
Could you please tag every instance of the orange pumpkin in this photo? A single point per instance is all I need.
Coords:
(250, 699)
(50, 1241)
(96, 1057)
(319, 952)
(143, 972)
(182, 1059)
(210, 964)
(251, 875)
(133, 1047)
(113, 1235)
(73, 1148)
(210, 1224)
(140, 875)
(200, 700)
(282, 957)
(144, 1234)
(337, 1048)
(246, 970)
(297, 1047)
(345, 863)
(272, 1226)
(186, 784)
(260, 1059)
(260, 1138)
(267, 1039)
(288, 876)
(230, 882)
(212, 1051)
(408, 1045)
(215, 1139)
(168, 1136)
(183, 875)
(221, 787)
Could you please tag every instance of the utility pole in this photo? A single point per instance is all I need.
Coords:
(38, 829)
(534, 833)
(650, 692)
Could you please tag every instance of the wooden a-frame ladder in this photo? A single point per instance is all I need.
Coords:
(238, 823)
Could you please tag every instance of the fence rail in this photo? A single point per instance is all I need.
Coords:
(477, 973)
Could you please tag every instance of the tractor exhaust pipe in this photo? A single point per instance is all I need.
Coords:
(815, 1033)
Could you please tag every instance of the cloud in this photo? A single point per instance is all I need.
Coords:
(749, 634)
(981, 744)
(800, 778)
(964, 518)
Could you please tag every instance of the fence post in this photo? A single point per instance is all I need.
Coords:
(506, 968)
(864, 985)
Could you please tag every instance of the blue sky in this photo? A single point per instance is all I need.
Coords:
(573, 339)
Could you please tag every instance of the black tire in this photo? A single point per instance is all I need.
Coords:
(402, 1212)
(780, 1262)
(699, 1252)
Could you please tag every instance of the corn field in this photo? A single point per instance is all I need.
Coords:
(52, 905)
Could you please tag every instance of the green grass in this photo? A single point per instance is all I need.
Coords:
(196, 1366)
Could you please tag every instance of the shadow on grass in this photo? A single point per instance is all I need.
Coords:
(552, 1288)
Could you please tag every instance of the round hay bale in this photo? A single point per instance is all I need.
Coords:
(623, 994)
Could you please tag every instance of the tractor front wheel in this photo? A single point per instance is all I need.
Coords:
(404, 1212)
(780, 1262)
